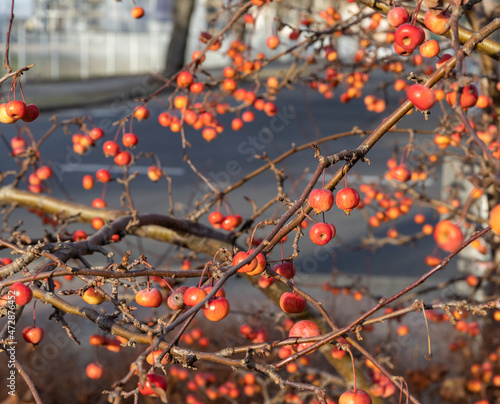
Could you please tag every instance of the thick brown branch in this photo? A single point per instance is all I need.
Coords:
(194, 236)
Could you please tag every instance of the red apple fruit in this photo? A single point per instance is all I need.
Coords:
(347, 199)
(22, 293)
(217, 309)
(91, 296)
(184, 79)
(448, 236)
(494, 219)
(397, 16)
(400, 173)
(94, 370)
(421, 96)
(110, 148)
(265, 281)
(141, 113)
(230, 222)
(272, 42)
(321, 200)
(123, 158)
(176, 300)
(239, 257)
(31, 113)
(468, 97)
(409, 36)
(286, 269)
(220, 292)
(15, 109)
(155, 385)
(429, 49)
(137, 12)
(154, 173)
(261, 264)
(355, 397)
(304, 329)
(165, 119)
(130, 140)
(44, 173)
(97, 340)
(442, 60)
(4, 117)
(292, 303)
(149, 298)
(437, 22)
(193, 296)
(33, 334)
(215, 219)
(96, 133)
(18, 143)
(320, 233)
(103, 175)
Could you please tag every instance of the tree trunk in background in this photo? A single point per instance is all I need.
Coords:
(183, 9)
(489, 68)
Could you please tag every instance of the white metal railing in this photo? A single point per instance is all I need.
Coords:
(83, 55)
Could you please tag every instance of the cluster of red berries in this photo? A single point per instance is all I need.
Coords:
(102, 175)
(195, 335)
(121, 157)
(215, 310)
(202, 117)
(37, 177)
(111, 344)
(95, 370)
(255, 335)
(321, 200)
(18, 145)
(12, 111)
(83, 142)
(229, 222)
(254, 267)
(198, 116)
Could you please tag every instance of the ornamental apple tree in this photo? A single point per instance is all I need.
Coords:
(183, 326)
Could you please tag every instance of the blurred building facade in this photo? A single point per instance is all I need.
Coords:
(75, 39)
(88, 15)
(70, 39)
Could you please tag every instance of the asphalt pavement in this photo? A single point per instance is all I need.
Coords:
(51, 96)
